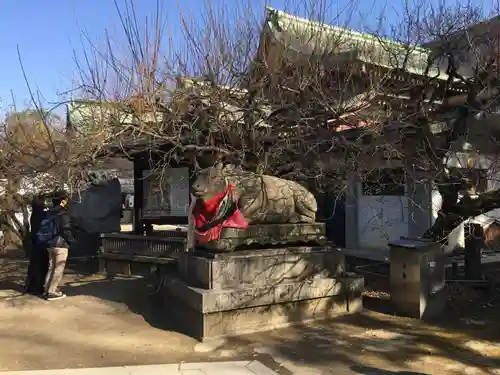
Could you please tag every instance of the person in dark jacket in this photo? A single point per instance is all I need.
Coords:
(38, 255)
(58, 252)
(39, 260)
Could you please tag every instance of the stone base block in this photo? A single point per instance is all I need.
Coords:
(256, 268)
(417, 277)
(262, 235)
(208, 314)
(127, 265)
(113, 267)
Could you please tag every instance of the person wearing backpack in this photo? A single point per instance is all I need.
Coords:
(55, 232)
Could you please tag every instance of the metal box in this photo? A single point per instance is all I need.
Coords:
(417, 277)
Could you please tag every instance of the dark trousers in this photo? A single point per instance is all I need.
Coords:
(37, 270)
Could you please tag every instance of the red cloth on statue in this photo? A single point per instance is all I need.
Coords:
(206, 211)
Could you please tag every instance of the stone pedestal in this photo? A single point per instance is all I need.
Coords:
(417, 278)
(217, 295)
(265, 235)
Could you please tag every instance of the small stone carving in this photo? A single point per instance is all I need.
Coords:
(262, 199)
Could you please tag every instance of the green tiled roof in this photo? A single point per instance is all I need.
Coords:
(84, 115)
(333, 42)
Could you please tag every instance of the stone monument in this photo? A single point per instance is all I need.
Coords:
(275, 268)
(278, 211)
(417, 277)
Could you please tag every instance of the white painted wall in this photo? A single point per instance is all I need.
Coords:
(385, 218)
(381, 219)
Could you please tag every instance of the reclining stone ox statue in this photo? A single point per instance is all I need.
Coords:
(262, 199)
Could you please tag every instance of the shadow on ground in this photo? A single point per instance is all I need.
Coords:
(368, 343)
(140, 295)
(380, 342)
(375, 371)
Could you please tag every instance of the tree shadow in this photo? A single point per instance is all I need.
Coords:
(375, 371)
(345, 340)
(139, 294)
(373, 343)
(335, 341)
(12, 285)
(13, 269)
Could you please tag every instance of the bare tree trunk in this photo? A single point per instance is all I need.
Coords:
(473, 246)
(15, 233)
(453, 214)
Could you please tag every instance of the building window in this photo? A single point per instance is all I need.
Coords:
(385, 182)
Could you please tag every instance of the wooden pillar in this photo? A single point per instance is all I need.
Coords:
(474, 242)
(138, 195)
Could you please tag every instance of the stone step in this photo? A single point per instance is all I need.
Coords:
(208, 314)
(261, 267)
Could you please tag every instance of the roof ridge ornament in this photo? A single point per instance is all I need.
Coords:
(273, 18)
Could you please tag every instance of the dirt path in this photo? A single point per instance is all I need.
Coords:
(115, 322)
(82, 331)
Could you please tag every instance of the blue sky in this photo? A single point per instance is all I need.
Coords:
(48, 31)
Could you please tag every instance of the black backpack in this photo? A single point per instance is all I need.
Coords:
(49, 230)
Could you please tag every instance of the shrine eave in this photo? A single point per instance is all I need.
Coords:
(333, 44)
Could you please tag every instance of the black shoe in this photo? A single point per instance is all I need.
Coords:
(55, 296)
